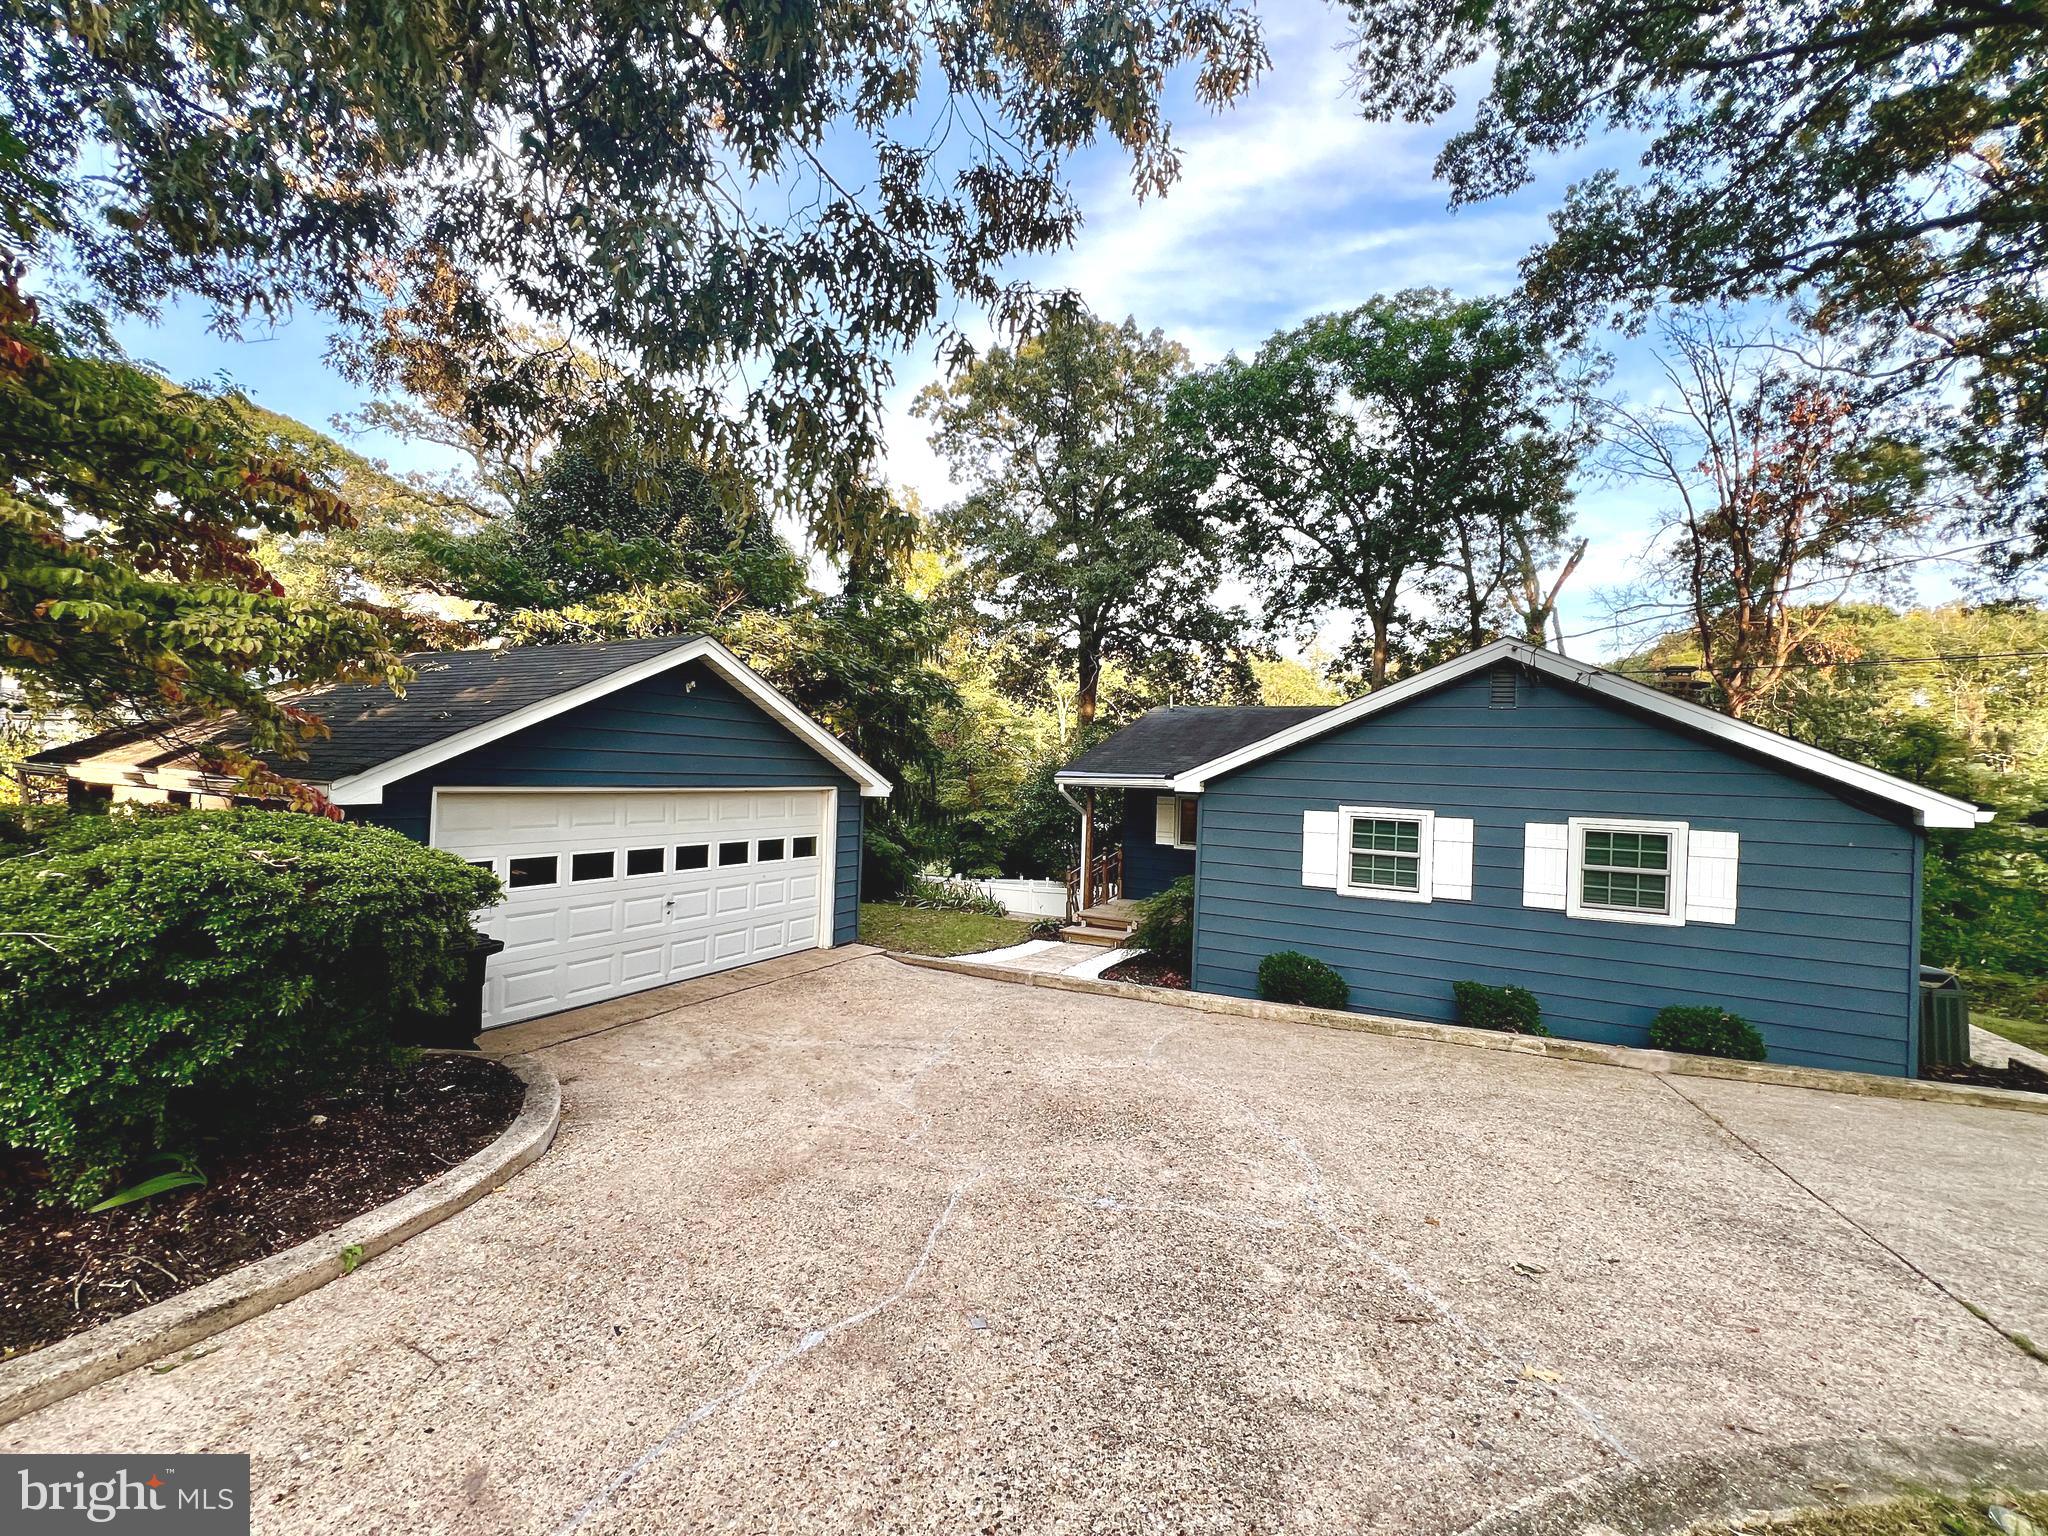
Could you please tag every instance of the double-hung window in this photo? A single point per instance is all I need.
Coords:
(1384, 853)
(1627, 871)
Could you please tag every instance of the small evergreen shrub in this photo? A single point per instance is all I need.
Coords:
(1707, 1032)
(1509, 1010)
(1166, 925)
(166, 977)
(1289, 976)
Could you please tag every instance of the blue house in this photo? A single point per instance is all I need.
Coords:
(655, 809)
(1516, 816)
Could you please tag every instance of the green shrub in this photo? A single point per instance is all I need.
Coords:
(169, 976)
(942, 895)
(1510, 1010)
(1289, 976)
(1166, 925)
(1706, 1032)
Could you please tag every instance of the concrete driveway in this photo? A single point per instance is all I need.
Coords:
(876, 1248)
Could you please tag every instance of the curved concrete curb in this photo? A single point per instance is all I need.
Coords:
(71, 1365)
(1702, 1491)
(1667, 1063)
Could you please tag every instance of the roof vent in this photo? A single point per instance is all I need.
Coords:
(1504, 688)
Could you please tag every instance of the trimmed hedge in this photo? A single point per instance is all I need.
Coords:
(1706, 1032)
(1289, 976)
(1166, 925)
(1507, 1010)
(170, 976)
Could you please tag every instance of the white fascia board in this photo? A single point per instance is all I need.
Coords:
(1930, 808)
(1113, 780)
(367, 787)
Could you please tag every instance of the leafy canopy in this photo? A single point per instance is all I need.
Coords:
(130, 513)
(1345, 456)
(1886, 162)
(1068, 531)
(758, 201)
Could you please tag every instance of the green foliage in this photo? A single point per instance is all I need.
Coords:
(1166, 924)
(1880, 164)
(1289, 976)
(743, 199)
(183, 1173)
(168, 976)
(1069, 531)
(1352, 455)
(130, 580)
(1706, 1032)
(1510, 1010)
(952, 896)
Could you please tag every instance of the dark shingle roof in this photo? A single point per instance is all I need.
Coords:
(455, 691)
(1164, 742)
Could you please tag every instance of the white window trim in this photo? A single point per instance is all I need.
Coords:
(1425, 852)
(1674, 875)
(1178, 822)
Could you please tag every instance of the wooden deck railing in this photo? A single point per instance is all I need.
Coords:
(1105, 882)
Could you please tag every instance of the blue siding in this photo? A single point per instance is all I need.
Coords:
(1149, 866)
(1823, 956)
(661, 734)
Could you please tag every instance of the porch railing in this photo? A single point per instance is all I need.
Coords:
(1104, 882)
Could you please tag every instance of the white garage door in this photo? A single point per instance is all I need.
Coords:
(609, 892)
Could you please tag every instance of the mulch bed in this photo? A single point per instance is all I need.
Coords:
(2014, 1074)
(62, 1271)
(1146, 972)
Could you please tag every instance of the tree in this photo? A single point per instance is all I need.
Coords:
(756, 203)
(131, 586)
(1787, 493)
(1067, 531)
(1349, 456)
(1883, 162)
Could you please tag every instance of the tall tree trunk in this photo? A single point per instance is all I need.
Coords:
(1088, 676)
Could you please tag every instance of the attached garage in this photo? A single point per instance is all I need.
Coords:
(655, 809)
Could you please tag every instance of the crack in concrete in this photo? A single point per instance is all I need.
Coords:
(1315, 1200)
(625, 1478)
(2018, 1341)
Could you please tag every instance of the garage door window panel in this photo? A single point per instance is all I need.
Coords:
(644, 861)
(601, 865)
(693, 856)
(804, 848)
(732, 853)
(769, 850)
(533, 869)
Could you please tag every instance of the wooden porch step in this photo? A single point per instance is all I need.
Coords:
(1105, 938)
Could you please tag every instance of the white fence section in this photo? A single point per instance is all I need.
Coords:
(1030, 898)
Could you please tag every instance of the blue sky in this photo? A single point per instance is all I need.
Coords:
(1289, 204)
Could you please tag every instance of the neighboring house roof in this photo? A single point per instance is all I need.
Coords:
(1163, 742)
(1928, 807)
(457, 702)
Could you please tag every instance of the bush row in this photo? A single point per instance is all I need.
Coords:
(1288, 976)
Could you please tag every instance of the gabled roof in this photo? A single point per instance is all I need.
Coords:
(1929, 808)
(1163, 742)
(457, 702)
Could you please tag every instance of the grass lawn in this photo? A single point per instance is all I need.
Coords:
(2027, 1032)
(1906, 1517)
(924, 931)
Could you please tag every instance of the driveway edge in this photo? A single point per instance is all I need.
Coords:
(55, 1372)
(1660, 1063)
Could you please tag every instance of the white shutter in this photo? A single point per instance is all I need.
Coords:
(1545, 860)
(1450, 876)
(1166, 820)
(1710, 860)
(1319, 849)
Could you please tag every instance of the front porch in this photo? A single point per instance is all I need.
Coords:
(1152, 833)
